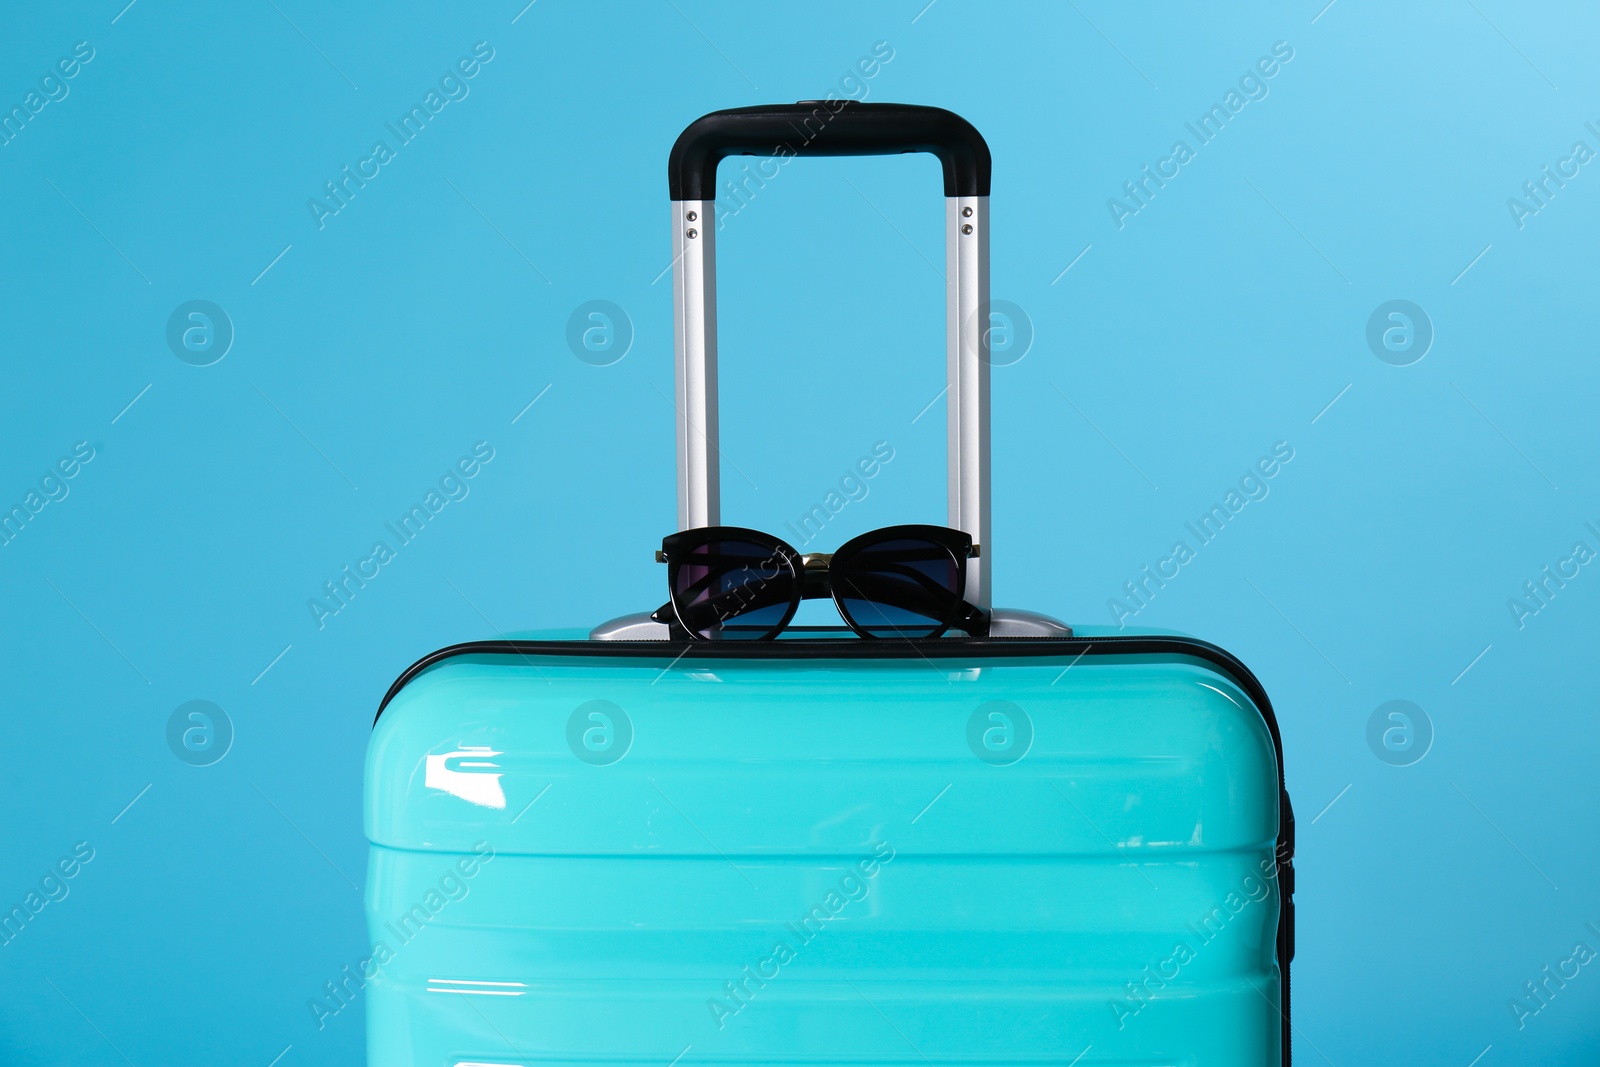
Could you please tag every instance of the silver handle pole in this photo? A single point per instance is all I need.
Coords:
(694, 291)
(966, 257)
(694, 319)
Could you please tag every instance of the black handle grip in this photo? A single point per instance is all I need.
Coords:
(828, 128)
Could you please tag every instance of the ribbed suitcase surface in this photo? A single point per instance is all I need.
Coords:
(687, 855)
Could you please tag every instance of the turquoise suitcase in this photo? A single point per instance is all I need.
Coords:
(1036, 847)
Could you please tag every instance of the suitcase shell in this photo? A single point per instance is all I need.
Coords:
(813, 856)
(1032, 847)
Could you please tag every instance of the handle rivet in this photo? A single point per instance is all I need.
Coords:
(966, 213)
(696, 233)
(967, 228)
(694, 215)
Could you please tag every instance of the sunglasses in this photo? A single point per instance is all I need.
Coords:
(733, 584)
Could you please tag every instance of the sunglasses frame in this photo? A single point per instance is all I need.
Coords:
(810, 574)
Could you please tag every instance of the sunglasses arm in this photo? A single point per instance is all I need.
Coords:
(666, 615)
(973, 620)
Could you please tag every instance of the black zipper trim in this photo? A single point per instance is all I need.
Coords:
(942, 648)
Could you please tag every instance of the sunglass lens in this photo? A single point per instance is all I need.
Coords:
(733, 590)
(905, 587)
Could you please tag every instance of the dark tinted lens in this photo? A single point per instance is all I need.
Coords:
(900, 588)
(732, 590)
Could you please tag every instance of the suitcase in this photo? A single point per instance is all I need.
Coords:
(1038, 846)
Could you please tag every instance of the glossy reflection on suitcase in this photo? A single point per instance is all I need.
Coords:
(1036, 847)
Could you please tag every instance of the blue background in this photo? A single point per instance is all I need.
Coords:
(423, 317)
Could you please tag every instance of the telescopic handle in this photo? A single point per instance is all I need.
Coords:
(836, 128)
(828, 128)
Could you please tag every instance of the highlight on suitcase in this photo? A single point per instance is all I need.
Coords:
(693, 811)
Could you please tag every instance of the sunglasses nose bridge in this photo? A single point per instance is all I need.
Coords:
(814, 574)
